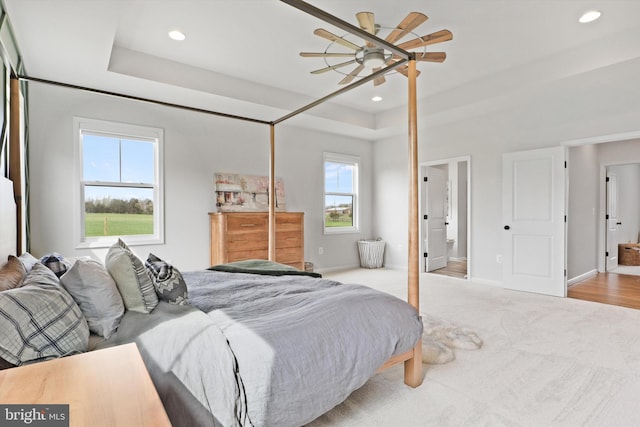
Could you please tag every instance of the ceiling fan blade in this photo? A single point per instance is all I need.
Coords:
(405, 71)
(437, 37)
(378, 80)
(426, 56)
(333, 67)
(325, 55)
(332, 37)
(368, 23)
(431, 56)
(407, 25)
(351, 75)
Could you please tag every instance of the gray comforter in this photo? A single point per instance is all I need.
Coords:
(266, 351)
(302, 344)
(190, 363)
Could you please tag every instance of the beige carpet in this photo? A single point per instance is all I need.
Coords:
(545, 361)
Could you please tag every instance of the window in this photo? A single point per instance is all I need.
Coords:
(340, 193)
(120, 192)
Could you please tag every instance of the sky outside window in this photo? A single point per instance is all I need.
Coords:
(338, 178)
(109, 159)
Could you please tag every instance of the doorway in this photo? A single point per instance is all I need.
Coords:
(622, 218)
(445, 217)
(593, 236)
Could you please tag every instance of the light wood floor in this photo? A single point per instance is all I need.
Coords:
(606, 288)
(453, 269)
(609, 288)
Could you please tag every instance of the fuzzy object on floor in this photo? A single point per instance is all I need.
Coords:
(440, 338)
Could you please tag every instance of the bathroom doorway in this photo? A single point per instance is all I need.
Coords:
(444, 211)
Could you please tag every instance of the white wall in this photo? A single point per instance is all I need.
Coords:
(583, 211)
(196, 146)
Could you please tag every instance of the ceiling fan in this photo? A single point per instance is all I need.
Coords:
(372, 57)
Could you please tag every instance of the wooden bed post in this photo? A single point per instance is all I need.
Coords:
(15, 159)
(413, 366)
(272, 195)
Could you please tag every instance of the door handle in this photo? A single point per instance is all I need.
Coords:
(618, 223)
(506, 227)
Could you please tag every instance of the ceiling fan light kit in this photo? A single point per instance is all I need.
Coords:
(371, 57)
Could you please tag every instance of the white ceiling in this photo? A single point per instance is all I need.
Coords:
(241, 56)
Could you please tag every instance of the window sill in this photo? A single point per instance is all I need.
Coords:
(341, 230)
(110, 241)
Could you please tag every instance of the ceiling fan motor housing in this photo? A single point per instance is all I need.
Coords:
(373, 57)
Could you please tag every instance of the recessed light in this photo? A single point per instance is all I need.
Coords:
(376, 98)
(589, 16)
(177, 35)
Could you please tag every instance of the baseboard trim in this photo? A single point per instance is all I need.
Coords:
(339, 268)
(581, 277)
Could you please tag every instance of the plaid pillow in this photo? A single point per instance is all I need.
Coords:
(40, 320)
(56, 263)
(169, 284)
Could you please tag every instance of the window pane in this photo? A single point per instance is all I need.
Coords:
(338, 177)
(338, 211)
(100, 158)
(116, 211)
(137, 161)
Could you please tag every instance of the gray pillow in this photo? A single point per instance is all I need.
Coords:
(40, 320)
(132, 279)
(96, 294)
(169, 283)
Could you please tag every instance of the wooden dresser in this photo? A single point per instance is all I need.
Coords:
(236, 236)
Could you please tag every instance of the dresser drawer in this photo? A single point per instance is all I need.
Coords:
(246, 223)
(288, 255)
(286, 222)
(288, 239)
(247, 241)
(243, 255)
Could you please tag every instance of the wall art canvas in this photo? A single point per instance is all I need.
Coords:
(246, 193)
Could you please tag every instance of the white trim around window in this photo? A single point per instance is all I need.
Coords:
(343, 195)
(153, 184)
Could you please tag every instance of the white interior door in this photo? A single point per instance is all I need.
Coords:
(612, 221)
(435, 228)
(534, 197)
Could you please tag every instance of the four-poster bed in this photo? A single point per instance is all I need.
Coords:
(412, 358)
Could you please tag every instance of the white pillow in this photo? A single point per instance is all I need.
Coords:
(95, 292)
(28, 261)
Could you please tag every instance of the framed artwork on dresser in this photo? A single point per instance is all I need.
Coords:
(246, 193)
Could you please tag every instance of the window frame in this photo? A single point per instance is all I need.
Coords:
(353, 161)
(83, 125)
